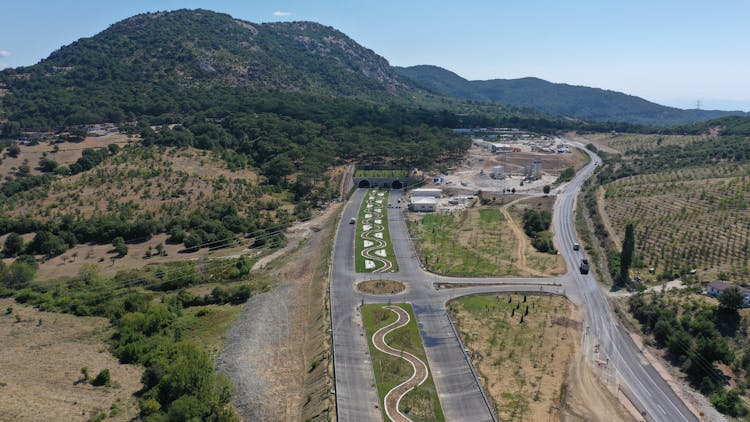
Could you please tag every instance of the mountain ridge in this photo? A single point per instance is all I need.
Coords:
(578, 101)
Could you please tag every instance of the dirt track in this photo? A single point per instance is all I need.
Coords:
(522, 243)
(393, 397)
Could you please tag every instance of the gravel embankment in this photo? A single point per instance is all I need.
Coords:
(255, 345)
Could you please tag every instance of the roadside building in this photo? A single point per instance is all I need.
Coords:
(423, 204)
(425, 192)
(715, 288)
(501, 148)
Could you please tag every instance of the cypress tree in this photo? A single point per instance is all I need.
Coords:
(626, 257)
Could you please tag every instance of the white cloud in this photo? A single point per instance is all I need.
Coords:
(280, 14)
(4, 53)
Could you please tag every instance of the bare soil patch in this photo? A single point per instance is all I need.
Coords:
(41, 358)
(474, 173)
(381, 287)
(532, 369)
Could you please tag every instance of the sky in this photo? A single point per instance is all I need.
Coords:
(675, 53)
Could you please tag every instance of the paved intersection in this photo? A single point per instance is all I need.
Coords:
(460, 396)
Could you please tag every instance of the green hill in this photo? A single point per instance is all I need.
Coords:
(156, 63)
(580, 102)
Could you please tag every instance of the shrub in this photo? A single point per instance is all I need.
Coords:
(102, 379)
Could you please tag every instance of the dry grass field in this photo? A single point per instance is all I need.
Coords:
(65, 153)
(143, 180)
(139, 182)
(531, 362)
(41, 358)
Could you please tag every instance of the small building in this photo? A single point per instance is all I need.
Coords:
(423, 204)
(425, 192)
(715, 288)
(501, 148)
(498, 172)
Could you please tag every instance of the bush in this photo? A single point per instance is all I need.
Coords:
(566, 175)
(102, 379)
(543, 243)
(729, 402)
(120, 247)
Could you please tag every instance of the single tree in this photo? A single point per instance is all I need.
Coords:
(13, 244)
(731, 299)
(626, 257)
(120, 247)
(13, 151)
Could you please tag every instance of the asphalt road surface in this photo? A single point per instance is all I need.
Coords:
(460, 395)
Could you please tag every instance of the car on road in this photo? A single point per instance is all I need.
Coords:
(584, 266)
(576, 246)
(353, 220)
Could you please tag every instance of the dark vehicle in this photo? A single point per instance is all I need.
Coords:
(584, 266)
(576, 246)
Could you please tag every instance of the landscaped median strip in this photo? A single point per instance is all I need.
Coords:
(405, 386)
(373, 249)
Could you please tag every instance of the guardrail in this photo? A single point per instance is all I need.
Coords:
(473, 372)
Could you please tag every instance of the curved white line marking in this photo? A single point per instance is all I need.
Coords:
(399, 354)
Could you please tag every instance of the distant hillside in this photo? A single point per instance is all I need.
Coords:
(155, 63)
(559, 99)
(730, 125)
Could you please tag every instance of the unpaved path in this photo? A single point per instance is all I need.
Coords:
(522, 243)
(393, 397)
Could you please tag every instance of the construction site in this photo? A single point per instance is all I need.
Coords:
(517, 166)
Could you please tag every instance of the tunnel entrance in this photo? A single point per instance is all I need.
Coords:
(364, 183)
(396, 184)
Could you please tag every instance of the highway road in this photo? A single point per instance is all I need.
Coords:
(460, 395)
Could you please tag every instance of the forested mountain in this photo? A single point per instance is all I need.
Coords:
(150, 63)
(558, 99)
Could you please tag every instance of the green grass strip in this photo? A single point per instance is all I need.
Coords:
(420, 404)
(359, 260)
(398, 173)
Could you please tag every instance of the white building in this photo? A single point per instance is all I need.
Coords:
(423, 204)
(433, 193)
